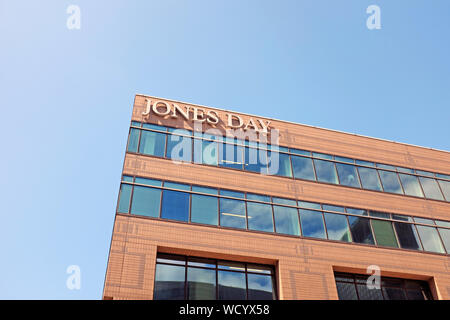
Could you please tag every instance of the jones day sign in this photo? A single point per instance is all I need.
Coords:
(199, 115)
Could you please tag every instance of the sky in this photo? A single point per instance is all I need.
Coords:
(66, 97)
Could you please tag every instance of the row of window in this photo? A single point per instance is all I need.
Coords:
(298, 164)
(354, 287)
(190, 278)
(227, 208)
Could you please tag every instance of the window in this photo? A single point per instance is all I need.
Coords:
(445, 187)
(152, 143)
(259, 216)
(286, 220)
(175, 205)
(407, 236)
(255, 160)
(124, 198)
(431, 188)
(325, 171)
(445, 236)
(179, 148)
(360, 229)
(348, 175)
(133, 140)
(303, 168)
(312, 224)
(231, 156)
(411, 185)
(354, 287)
(337, 227)
(146, 201)
(206, 151)
(384, 233)
(279, 164)
(369, 179)
(192, 278)
(204, 209)
(430, 239)
(390, 182)
(232, 213)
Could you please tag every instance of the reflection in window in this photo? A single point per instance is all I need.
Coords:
(124, 198)
(390, 182)
(232, 213)
(179, 148)
(231, 285)
(204, 209)
(279, 164)
(201, 284)
(337, 227)
(445, 236)
(360, 228)
(231, 156)
(431, 188)
(286, 220)
(325, 171)
(259, 216)
(133, 140)
(407, 236)
(255, 160)
(303, 168)
(312, 224)
(169, 282)
(146, 201)
(175, 205)
(384, 233)
(369, 179)
(411, 185)
(430, 239)
(206, 151)
(348, 175)
(445, 187)
(152, 143)
(260, 287)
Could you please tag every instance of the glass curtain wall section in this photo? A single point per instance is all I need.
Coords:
(262, 213)
(183, 145)
(193, 278)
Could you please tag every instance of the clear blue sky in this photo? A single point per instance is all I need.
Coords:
(66, 99)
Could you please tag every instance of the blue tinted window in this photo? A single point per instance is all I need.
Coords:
(260, 287)
(333, 208)
(337, 227)
(286, 220)
(369, 179)
(289, 202)
(309, 205)
(258, 197)
(154, 127)
(205, 152)
(255, 160)
(322, 156)
(300, 152)
(312, 224)
(232, 285)
(325, 171)
(279, 164)
(152, 143)
(234, 194)
(179, 148)
(343, 159)
(175, 205)
(179, 186)
(303, 168)
(125, 195)
(390, 182)
(259, 216)
(411, 185)
(231, 156)
(204, 209)
(205, 190)
(348, 175)
(149, 182)
(133, 140)
(146, 201)
(232, 213)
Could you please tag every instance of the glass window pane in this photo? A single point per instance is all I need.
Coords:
(442, 223)
(368, 294)
(407, 236)
(260, 287)
(348, 175)
(258, 197)
(369, 179)
(390, 182)
(431, 188)
(205, 190)
(149, 182)
(325, 171)
(300, 152)
(179, 148)
(360, 212)
(201, 284)
(231, 156)
(444, 176)
(136, 123)
(344, 159)
(385, 166)
(303, 168)
(279, 164)
(411, 185)
(346, 291)
(231, 265)
(445, 187)
(322, 155)
(154, 127)
(425, 173)
(205, 152)
(286, 220)
(445, 236)
(288, 202)
(259, 268)
(232, 213)
(125, 195)
(309, 205)
(259, 216)
(175, 205)
(365, 163)
(393, 293)
(423, 220)
(255, 160)
(204, 209)
(133, 140)
(415, 295)
(171, 258)
(384, 233)
(201, 262)
(333, 208)
(233, 194)
(152, 143)
(360, 228)
(337, 227)
(127, 178)
(430, 239)
(169, 282)
(179, 186)
(312, 224)
(231, 285)
(146, 201)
